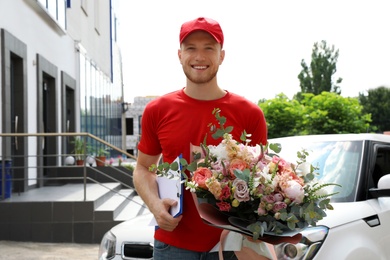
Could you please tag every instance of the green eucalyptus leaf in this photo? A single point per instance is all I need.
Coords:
(276, 147)
(192, 167)
(183, 162)
(229, 129)
(329, 206)
(174, 166)
(243, 175)
(291, 225)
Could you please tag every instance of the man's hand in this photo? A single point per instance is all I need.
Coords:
(164, 219)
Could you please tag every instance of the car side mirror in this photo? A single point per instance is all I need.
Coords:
(383, 189)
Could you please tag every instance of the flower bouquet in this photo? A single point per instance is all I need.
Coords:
(258, 191)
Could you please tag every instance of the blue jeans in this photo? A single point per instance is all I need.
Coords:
(164, 251)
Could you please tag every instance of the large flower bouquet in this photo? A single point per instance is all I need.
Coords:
(259, 191)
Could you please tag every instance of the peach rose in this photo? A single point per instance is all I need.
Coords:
(201, 175)
(237, 164)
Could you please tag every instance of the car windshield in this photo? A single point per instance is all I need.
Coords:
(338, 162)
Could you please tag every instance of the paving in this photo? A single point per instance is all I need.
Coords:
(10, 250)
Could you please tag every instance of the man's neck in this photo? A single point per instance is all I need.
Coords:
(205, 91)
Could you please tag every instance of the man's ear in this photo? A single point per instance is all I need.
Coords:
(179, 55)
(221, 57)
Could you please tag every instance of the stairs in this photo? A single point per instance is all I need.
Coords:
(60, 214)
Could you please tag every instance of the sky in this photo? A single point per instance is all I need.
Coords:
(265, 42)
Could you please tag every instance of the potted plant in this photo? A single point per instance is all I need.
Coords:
(80, 150)
(100, 157)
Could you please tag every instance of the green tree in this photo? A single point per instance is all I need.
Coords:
(327, 113)
(318, 77)
(282, 115)
(330, 113)
(376, 103)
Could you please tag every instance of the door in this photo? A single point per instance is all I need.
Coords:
(14, 107)
(17, 109)
(47, 147)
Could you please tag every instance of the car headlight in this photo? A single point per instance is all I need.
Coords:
(107, 246)
(307, 248)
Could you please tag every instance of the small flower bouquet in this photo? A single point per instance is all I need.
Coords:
(254, 187)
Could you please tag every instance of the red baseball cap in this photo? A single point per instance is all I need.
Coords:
(205, 24)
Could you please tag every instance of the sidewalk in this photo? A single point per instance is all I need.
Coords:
(10, 250)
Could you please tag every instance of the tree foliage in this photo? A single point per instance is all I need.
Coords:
(282, 116)
(330, 113)
(317, 77)
(326, 113)
(376, 103)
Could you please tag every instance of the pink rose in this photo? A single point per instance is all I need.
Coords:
(225, 193)
(261, 211)
(241, 192)
(269, 198)
(278, 197)
(201, 175)
(282, 164)
(294, 191)
(223, 206)
(278, 206)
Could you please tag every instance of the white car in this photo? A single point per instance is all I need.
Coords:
(132, 239)
(357, 228)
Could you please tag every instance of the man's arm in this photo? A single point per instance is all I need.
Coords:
(146, 186)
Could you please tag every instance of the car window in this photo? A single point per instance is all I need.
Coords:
(382, 164)
(338, 162)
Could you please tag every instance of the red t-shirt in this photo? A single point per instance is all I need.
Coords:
(171, 125)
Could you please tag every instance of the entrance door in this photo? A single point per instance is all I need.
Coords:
(18, 149)
(47, 118)
(49, 145)
(68, 112)
(14, 107)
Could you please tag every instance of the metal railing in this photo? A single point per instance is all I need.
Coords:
(50, 160)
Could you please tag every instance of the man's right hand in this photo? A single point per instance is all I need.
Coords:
(164, 219)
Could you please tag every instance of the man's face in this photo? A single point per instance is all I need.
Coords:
(200, 56)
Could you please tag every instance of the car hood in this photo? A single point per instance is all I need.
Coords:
(346, 212)
(135, 230)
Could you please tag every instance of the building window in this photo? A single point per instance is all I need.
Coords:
(56, 9)
(100, 108)
(129, 126)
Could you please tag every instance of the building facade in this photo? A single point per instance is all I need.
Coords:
(60, 72)
(133, 117)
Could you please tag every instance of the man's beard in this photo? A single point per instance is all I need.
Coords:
(198, 80)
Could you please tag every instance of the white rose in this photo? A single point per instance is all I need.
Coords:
(303, 168)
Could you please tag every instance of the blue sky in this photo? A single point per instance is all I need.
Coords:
(265, 42)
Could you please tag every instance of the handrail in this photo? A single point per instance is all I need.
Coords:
(69, 134)
(81, 134)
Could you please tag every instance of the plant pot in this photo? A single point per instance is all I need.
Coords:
(79, 162)
(100, 160)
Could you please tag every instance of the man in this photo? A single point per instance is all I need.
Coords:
(175, 123)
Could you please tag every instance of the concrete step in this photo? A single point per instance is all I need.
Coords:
(114, 204)
(106, 191)
(134, 208)
(60, 213)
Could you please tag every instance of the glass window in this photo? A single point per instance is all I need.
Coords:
(56, 9)
(338, 162)
(100, 107)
